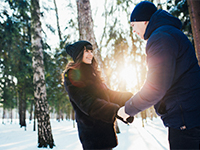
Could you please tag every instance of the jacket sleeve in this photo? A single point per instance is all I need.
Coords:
(89, 104)
(161, 51)
(118, 97)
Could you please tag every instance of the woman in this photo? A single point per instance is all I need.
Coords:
(94, 104)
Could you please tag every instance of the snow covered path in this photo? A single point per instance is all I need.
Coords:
(153, 136)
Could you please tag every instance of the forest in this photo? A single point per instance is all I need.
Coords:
(34, 33)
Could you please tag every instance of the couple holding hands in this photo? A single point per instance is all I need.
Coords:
(172, 85)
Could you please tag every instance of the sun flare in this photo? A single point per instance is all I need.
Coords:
(128, 74)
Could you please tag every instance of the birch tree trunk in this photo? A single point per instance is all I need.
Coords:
(194, 11)
(45, 137)
(85, 24)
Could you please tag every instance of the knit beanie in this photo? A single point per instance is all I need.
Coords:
(74, 49)
(143, 11)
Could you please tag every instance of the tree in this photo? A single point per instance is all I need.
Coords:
(85, 24)
(16, 60)
(45, 137)
(194, 11)
(58, 25)
(54, 68)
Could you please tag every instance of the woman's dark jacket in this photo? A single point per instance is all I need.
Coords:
(95, 107)
(173, 77)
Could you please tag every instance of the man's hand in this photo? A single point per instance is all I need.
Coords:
(124, 116)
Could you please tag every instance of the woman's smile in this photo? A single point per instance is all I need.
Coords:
(88, 56)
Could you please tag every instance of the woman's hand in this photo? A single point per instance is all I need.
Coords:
(124, 116)
(121, 113)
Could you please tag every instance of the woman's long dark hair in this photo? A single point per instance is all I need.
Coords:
(78, 64)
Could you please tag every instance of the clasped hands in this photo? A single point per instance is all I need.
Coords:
(124, 116)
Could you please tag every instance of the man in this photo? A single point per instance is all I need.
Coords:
(173, 77)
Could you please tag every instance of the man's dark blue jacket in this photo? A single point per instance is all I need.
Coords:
(173, 77)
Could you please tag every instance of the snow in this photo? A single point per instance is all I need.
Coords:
(153, 136)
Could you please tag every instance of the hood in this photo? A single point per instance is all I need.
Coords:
(161, 18)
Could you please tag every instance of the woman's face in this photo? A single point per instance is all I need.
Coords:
(87, 56)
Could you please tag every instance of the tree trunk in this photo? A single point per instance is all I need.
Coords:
(45, 137)
(31, 112)
(144, 116)
(85, 24)
(4, 114)
(194, 11)
(22, 109)
(73, 118)
(34, 124)
(58, 25)
(11, 116)
(58, 116)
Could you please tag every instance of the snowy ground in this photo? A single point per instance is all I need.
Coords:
(153, 136)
